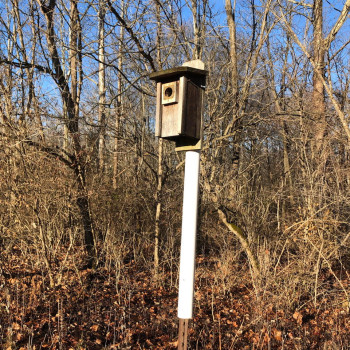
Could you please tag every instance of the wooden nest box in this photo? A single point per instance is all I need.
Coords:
(179, 104)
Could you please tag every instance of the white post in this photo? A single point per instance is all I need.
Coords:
(188, 235)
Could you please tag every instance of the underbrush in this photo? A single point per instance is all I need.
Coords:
(119, 306)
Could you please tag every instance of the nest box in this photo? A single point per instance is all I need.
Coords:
(179, 104)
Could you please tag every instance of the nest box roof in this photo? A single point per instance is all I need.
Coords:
(177, 71)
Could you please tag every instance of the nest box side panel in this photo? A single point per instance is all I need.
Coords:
(159, 111)
(193, 111)
(182, 105)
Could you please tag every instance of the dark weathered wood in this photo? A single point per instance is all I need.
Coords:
(179, 104)
(176, 72)
(170, 120)
(193, 112)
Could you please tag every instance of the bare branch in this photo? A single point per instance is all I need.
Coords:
(136, 40)
(328, 89)
(341, 20)
(27, 65)
(300, 3)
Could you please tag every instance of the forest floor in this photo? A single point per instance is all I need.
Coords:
(103, 310)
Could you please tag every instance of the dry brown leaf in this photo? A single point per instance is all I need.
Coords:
(16, 326)
(298, 317)
(19, 336)
(277, 335)
(94, 328)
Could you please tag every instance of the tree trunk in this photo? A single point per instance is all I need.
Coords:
(70, 97)
(101, 86)
(119, 113)
(158, 198)
(281, 109)
(318, 93)
(84, 209)
(198, 20)
(235, 121)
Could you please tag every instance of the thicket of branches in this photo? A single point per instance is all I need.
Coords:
(86, 184)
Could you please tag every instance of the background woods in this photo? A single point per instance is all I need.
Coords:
(90, 201)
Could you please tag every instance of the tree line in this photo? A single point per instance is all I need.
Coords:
(81, 167)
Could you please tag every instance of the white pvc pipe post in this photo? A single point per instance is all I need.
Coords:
(188, 235)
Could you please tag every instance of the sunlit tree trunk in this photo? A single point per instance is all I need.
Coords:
(158, 198)
(6, 80)
(231, 21)
(70, 96)
(158, 207)
(73, 55)
(101, 85)
(318, 93)
(279, 100)
(198, 8)
(119, 109)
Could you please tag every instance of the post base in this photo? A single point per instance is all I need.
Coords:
(183, 332)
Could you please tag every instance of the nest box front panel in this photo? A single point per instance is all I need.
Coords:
(170, 120)
(179, 103)
(170, 95)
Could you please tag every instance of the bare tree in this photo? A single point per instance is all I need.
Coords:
(199, 16)
(101, 84)
(318, 95)
(158, 198)
(70, 94)
(238, 98)
(119, 107)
